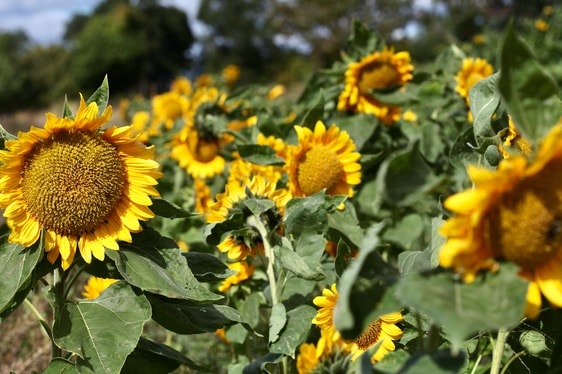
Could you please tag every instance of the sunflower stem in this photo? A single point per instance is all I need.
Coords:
(256, 223)
(497, 354)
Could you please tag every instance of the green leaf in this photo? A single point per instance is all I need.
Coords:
(406, 230)
(463, 151)
(207, 267)
(484, 100)
(277, 321)
(406, 177)
(152, 357)
(346, 224)
(100, 96)
(185, 317)
(534, 342)
(439, 362)
(104, 331)
(491, 302)
(66, 111)
(160, 270)
(367, 278)
(259, 154)
(6, 135)
(299, 321)
(259, 206)
(294, 263)
(315, 113)
(167, 209)
(60, 366)
(250, 309)
(16, 266)
(530, 93)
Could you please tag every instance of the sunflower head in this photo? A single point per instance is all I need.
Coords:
(233, 205)
(87, 188)
(472, 71)
(244, 271)
(323, 159)
(381, 70)
(511, 214)
(168, 107)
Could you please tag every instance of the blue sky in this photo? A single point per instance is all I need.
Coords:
(44, 21)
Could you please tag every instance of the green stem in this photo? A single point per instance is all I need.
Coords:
(39, 317)
(70, 283)
(58, 289)
(497, 354)
(256, 223)
(513, 358)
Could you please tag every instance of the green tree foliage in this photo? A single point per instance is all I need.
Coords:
(137, 45)
(30, 76)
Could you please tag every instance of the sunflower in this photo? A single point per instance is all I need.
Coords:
(514, 141)
(541, 25)
(83, 187)
(512, 214)
(95, 286)
(231, 73)
(241, 169)
(472, 71)
(203, 198)
(327, 353)
(197, 151)
(384, 328)
(323, 159)
(238, 247)
(381, 70)
(181, 85)
(168, 107)
(244, 271)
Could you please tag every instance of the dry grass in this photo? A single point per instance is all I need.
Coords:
(24, 346)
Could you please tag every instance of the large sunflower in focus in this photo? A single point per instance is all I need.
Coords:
(383, 329)
(381, 70)
(323, 159)
(512, 214)
(86, 188)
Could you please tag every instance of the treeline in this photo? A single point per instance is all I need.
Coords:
(142, 44)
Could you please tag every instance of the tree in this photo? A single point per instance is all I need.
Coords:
(139, 46)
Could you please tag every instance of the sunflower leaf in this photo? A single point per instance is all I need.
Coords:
(60, 366)
(484, 100)
(16, 266)
(167, 209)
(104, 331)
(277, 321)
(259, 154)
(529, 91)
(100, 96)
(486, 304)
(153, 357)
(295, 331)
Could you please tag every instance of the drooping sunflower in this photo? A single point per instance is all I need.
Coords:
(381, 70)
(323, 159)
(236, 247)
(84, 187)
(244, 271)
(383, 329)
(197, 151)
(95, 286)
(472, 71)
(512, 214)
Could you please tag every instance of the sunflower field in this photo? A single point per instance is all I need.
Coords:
(390, 218)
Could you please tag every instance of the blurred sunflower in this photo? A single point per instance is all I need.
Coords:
(203, 196)
(471, 71)
(323, 159)
(86, 188)
(514, 141)
(231, 73)
(384, 328)
(241, 169)
(541, 25)
(381, 70)
(95, 286)
(196, 149)
(168, 107)
(181, 85)
(239, 247)
(244, 271)
(512, 214)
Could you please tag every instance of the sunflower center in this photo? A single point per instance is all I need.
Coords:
(377, 75)
(73, 181)
(369, 336)
(320, 168)
(525, 227)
